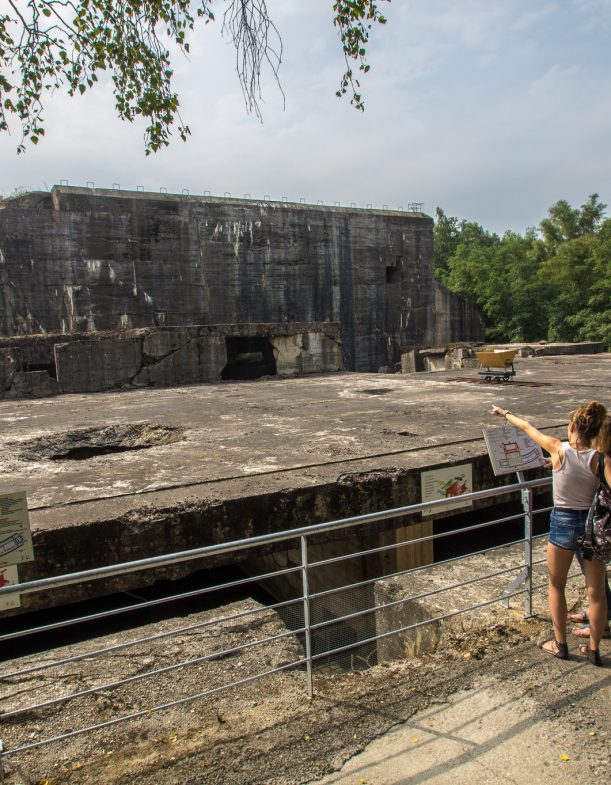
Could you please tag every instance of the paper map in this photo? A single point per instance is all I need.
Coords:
(511, 450)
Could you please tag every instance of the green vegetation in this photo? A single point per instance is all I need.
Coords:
(65, 44)
(552, 284)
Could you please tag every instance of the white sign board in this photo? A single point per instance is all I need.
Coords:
(9, 577)
(15, 536)
(447, 483)
(511, 450)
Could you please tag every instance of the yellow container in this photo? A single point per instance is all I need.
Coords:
(499, 358)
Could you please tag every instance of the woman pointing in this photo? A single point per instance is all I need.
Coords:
(575, 479)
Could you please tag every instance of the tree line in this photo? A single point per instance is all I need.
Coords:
(552, 283)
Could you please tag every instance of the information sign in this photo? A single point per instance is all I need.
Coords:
(9, 577)
(511, 450)
(447, 483)
(15, 536)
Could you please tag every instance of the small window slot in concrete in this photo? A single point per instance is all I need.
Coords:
(48, 367)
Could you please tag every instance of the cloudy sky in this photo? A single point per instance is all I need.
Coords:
(491, 110)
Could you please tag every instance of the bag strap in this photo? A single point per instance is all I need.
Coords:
(601, 467)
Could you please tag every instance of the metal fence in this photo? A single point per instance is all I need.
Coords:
(323, 622)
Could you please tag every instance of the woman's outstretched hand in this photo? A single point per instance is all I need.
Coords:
(498, 411)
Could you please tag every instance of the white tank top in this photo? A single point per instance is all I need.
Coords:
(574, 483)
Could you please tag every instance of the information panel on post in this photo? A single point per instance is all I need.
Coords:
(15, 535)
(511, 450)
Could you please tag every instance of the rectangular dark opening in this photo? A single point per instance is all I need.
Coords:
(393, 275)
(48, 367)
(248, 357)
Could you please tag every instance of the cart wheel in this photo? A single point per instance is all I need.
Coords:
(498, 380)
(488, 378)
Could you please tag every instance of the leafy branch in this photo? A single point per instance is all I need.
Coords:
(355, 19)
(46, 45)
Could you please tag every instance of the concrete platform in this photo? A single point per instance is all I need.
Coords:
(211, 463)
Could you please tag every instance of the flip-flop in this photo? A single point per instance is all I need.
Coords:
(559, 650)
(584, 631)
(579, 618)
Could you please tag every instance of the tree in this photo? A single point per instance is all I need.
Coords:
(65, 44)
(567, 223)
(555, 287)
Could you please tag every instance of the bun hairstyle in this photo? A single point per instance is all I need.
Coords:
(588, 419)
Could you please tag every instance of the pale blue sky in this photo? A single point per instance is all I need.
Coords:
(493, 110)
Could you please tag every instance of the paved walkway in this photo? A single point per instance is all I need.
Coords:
(504, 730)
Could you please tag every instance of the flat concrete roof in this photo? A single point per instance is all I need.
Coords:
(245, 438)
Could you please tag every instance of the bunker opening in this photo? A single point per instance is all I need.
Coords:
(248, 357)
(49, 368)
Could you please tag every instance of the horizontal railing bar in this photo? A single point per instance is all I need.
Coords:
(140, 676)
(253, 542)
(424, 538)
(147, 639)
(152, 710)
(363, 642)
(403, 600)
(419, 568)
(147, 604)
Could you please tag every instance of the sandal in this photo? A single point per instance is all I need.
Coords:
(593, 655)
(557, 649)
(579, 618)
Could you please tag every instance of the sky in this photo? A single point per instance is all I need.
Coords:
(492, 111)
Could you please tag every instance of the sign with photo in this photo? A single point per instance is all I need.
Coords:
(449, 483)
(9, 577)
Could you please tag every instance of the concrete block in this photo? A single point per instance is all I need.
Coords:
(33, 384)
(201, 359)
(303, 353)
(10, 364)
(160, 343)
(90, 366)
(409, 362)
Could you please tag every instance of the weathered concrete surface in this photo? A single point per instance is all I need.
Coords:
(460, 584)
(39, 366)
(80, 260)
(259, 457)
(488, 708)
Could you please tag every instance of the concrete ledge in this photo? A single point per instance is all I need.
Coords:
(450, 597)
(39, 366)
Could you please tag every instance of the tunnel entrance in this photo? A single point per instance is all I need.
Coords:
(248, 357)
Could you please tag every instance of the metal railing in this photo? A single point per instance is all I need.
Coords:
(329, 616)
(412, 207)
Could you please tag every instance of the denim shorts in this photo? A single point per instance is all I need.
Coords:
(566, 526)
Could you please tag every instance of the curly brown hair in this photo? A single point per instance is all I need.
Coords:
(589, 419)
(603, 438)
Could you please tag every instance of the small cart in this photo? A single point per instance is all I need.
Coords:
(497, 364)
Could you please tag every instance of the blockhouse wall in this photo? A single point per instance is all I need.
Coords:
(82, 260)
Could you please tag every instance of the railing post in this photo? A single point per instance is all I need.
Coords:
(527, 506)
(1, 762)
(306, 613)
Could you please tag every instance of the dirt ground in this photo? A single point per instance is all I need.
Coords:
(268, 732)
